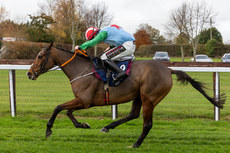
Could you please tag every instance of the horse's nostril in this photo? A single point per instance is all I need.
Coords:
(28, 74)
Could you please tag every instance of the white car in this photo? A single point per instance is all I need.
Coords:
(161, 56)
(202, 58)
(226, 57)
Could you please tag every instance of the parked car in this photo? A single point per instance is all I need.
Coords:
(161, 56)
(202, 58)
(226, 57)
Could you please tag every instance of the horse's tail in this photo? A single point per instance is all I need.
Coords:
(185, 78)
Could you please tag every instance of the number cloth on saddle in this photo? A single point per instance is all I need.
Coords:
(101, 74)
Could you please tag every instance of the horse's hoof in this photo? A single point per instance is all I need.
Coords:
(48, 133)
(135, 146)
(104, 130)
(86, 125)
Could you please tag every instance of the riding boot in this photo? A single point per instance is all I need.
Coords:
(111, 65)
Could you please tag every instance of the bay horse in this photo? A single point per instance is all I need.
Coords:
(148, 83)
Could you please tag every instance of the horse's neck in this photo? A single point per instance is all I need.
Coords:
(78, 66)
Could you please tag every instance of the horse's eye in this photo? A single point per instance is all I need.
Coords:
(39, 57)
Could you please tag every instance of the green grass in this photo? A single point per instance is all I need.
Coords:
(40, 97)
(27, 134)
(182, 122)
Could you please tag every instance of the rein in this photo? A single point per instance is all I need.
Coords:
(81, 52)
(69, 59)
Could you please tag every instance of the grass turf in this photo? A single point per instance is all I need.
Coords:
(27, 134)
(183, 121)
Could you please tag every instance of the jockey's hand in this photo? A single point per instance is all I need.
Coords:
(76, 48)
(106, 49)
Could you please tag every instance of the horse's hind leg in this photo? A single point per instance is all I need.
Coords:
(148, 104)
(147, 125)
(75, 122)
(73, 104)
(134, 113)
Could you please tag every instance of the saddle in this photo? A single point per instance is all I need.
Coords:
(104, 74)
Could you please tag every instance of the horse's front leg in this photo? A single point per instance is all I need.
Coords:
(73, 104)
(75, 122)
(51, 121)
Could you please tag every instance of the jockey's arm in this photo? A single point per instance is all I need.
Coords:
(99, 38)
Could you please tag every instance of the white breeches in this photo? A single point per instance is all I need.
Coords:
(128, 54)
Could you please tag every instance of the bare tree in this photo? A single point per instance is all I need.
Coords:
(98, 15)
(65, 15)
(47, 7)
(191, 19)
(176, 25)
(68, 16)
(3, 13)
(72, 21)
(73, 16)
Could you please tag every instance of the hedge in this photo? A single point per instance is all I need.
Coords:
(175, 50)
(29, 50)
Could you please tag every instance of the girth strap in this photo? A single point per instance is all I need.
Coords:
(106, 89)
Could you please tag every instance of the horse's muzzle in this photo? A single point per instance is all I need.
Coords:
(31, 76)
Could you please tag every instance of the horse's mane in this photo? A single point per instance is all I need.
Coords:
(65, 50)
(78, 54)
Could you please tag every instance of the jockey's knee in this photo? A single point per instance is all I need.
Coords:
(104, 57)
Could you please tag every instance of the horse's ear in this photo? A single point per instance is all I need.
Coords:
(50, 46)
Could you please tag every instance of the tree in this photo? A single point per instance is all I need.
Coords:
(98, 15)
(175, 27)
(154, 34)
(192, 19)
(9, 28)
(38, 28)
(72, 21)
(198, 19)
(3, 13)
(205, 35)
(182, 39)
(72, 18)
(68, 17)
(213, 47)
(142, 38)
(47, 7)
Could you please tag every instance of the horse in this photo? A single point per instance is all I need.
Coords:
(148, 83)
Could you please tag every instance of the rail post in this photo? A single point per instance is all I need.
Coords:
(114, 111)
(216, 84)
(12, 92)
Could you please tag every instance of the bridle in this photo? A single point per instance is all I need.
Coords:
(45, 61)
(43, 64)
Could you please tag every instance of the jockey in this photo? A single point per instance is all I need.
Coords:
(122, 46)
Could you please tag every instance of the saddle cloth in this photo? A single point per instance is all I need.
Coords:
(102, 74)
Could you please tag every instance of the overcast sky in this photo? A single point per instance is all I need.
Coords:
(129, 14)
